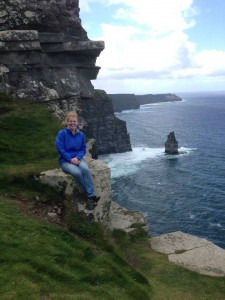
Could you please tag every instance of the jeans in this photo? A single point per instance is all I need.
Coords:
(82, 175)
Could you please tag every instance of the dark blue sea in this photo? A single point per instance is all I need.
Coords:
(185, 192)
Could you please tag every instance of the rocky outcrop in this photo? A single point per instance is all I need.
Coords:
(45, 53)
(46, 56)
(107, 211)
(121, 218)
(191, 252)
(131, 101)
(171, 144)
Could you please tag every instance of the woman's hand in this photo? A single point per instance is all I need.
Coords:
(75, 161)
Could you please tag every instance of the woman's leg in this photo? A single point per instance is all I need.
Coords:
(76, 172)
(89, 187)
(82, 175)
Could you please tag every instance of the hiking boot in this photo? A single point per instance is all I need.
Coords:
(94, 198)
(90, 205)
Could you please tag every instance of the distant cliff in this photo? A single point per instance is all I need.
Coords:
(132, 101)
(150, 98)
(124, 102)
(46, 56)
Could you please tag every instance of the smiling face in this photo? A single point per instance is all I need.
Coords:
(72, 123)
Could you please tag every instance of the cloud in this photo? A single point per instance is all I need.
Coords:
(131, 50)
(147, 43)
(160, 16)
(85, 5)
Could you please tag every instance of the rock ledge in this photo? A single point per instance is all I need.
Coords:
(191, 252)
(107, 212)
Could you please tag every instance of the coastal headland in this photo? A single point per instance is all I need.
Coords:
(131, 101)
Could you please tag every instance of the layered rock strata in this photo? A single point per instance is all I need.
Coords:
(46, 56)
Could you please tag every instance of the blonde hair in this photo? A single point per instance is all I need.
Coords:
(70, 114)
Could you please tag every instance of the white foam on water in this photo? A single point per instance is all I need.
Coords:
(192, 216)
(122, 164)
(127, 111)
(182, 152)
(215, 224)
(186, 150)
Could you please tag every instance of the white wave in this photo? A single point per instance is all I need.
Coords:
(123, 164)
(127, 111)
(192, 216)
(182, 151)
(216, 225)
(187, 150)
(128, 162)
(143, 106)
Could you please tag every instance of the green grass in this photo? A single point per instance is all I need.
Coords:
(27, 144)
(41, 260)
(81, 260)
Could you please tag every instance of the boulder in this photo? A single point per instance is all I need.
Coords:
(121, 218)
(106, 211)
(171, 145)
(191, 252)
(68, 187)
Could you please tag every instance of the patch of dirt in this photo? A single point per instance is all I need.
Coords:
(50, 212)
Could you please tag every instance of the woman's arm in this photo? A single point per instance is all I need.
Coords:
(60, 145)
(82, 151)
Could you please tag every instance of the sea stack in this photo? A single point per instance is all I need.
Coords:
(171, 145)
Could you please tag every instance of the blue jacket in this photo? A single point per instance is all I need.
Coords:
(69, 145)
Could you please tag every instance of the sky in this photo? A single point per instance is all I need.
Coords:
(157, 46)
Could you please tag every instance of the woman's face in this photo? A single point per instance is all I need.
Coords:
(72, 123)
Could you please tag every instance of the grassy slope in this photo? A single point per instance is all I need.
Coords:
(44, 261)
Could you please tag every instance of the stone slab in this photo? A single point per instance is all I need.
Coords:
(193, 253)
(20, 46)
(121, 218)
(207, 260)
(176, 242)
(18, 35)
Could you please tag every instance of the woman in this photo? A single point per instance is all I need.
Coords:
(71, 146)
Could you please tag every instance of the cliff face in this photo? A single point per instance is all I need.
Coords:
(46, 56)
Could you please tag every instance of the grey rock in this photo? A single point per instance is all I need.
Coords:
(53, 215)
(171, 144)
(193, 253)
(121, 218)
(106, 211)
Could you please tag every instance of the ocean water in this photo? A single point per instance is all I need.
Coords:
(183, 192)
